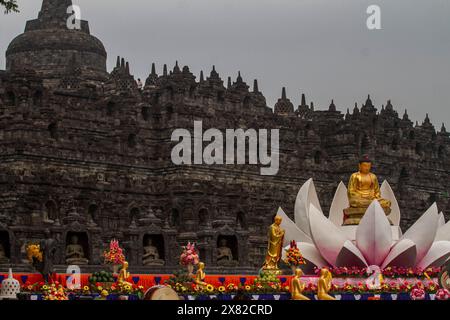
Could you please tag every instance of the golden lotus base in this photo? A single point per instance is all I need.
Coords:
(353, 216)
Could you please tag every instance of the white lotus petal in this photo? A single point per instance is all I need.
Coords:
(328, 239)
(403, 254)
(340, 202)
(423, 232)
(292, 232)
(388, 194)
(443, 233)
(310, 253)
(374, 235)
(306, 196)
(350, 256)
(441, 219)
(436, 256)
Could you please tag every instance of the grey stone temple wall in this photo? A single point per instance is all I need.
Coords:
(85, 153)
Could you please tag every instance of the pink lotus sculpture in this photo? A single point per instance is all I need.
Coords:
(323, 241)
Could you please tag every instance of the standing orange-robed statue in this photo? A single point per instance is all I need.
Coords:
(275, 247)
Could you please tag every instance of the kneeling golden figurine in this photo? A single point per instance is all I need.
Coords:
(124, 275)
(324, 285)
(200, 276)
(297, 286)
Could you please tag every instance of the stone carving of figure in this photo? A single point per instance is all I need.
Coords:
(274, 247)
(46, 218)
(3, 258)
(363, 188)
(75, 253)
(151, 255)
(297, 286)
(224, 254)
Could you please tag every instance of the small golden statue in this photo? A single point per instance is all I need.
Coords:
(124, 275)
(324, 285)
(297, 286)
(200, 276)
(363, 188)
(274, 248)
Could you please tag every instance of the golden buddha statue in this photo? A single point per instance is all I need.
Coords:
(124, 275)
(363, 188)
(200, 276)
(324, 285)
(274, 248)
(297, 286)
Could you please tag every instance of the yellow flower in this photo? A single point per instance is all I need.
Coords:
(222, 289)
(248, 288)
(210, 288)
(44, 287)
(100, 288)
(104, 293)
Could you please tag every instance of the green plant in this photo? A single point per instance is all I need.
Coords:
(9, 5)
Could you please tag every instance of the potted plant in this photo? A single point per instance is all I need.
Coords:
(114, 256)
(293, 257)
(189, 257)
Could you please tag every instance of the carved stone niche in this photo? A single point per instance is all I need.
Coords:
(153, 253)
(5, 247)
(227, 251)
(77, 249)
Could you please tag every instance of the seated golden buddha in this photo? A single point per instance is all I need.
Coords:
(363, 189)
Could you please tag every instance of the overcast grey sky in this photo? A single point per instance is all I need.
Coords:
(320, 47)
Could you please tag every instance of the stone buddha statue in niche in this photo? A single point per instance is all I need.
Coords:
(75, 253)
(225, 255)
(363, 188)
(3, 258)
(151, 255)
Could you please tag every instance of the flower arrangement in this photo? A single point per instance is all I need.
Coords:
(389, 272)
(293, 256)
(105, 288)
(233, 289)
(37, 287)
(54, 291)
(115, 254)
(418, 294)
(189, 256)
(396, 272)
(443, 294)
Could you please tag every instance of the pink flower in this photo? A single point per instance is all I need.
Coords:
(442, 294)
(418, 294)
